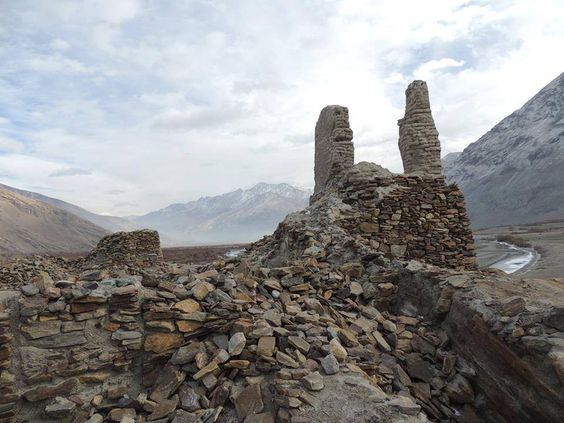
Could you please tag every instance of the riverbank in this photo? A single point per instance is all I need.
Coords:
(545, 258)
(504, 256)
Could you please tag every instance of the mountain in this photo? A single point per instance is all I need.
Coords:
(32, 226)
(110, 223)
(515, 172)
(238, 216)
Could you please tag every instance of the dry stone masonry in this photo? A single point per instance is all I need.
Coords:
(334, 150)
(330, 319)
(411, 216)
(135, 249)
(418, 137)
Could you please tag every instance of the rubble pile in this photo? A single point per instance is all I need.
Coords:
(369, 212)
(16, 271)
(229, 335)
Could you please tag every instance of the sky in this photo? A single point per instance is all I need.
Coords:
(124, 107)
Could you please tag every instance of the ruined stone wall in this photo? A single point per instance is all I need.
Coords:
(418, 137)
(334, 151)
(410, 217)
(92, 340)
(133, 249)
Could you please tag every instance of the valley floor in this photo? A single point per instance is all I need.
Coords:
(547, 249)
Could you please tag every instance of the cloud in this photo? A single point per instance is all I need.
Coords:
(196, 118)
(169, 101)
(71, 171)
(115, 192)
(300, 139)
(60, 45)
(8, 145)
(427, 69)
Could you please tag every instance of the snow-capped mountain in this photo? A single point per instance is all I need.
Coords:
(238, 216)
(515, 172)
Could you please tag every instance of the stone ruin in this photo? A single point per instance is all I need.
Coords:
(411, 216)
(135, 249)
(315, 323)
(418, 137)
(334, 150)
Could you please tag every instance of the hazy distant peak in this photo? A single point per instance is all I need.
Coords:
(237, 216)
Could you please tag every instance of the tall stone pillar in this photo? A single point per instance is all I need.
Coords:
(418, 137)
(334, 150)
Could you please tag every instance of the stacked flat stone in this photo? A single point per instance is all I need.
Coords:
(418, 137)
(263, 340)
(334, 150)
(8, 392)
(409, 217)
(133, 249)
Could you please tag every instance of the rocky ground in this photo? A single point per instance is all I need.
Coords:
(327, 320)
(235, 340)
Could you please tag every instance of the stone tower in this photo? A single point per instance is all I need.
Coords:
(418, 137)
(334, 150)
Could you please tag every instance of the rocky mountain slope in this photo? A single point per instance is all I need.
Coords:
(514, 173)
(32, 226)
(238, 216)
(110, 223)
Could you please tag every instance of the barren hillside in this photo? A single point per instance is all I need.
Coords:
(31, 226)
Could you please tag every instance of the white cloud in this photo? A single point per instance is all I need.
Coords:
(428, 69)
(60, 45)
(70, 171)
(8, 145)
(168, 101)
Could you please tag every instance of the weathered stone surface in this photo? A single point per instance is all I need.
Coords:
(43, 392)
(338, 350)
(187, 306)
(330, 364)
(61, 408)
(266, 346)
(419, 368)
(313, 381)
(512, 306)
(38, 330)
(418, 137)
(334, 150)
(236, 343)
(161, 342)
(249, 401)
(60, 340)
(170, 378)
(459, 390)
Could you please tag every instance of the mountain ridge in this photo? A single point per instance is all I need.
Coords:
(110, 223)
(513, 173)
(237, 216)
(29, 226)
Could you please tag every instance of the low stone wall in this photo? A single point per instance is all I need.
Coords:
(132, 249)
(8, 395)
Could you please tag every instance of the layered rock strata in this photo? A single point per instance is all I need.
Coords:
(418, 137)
